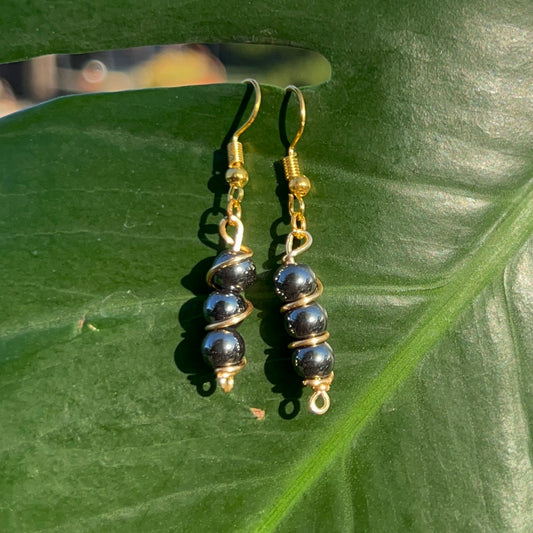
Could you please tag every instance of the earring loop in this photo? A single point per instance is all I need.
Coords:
(301, 102)
(255, 109)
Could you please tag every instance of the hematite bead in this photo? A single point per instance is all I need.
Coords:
(313, 361)
(306, 321)
(235, 277)
(220, 306)
(223, 347)
(294, 281)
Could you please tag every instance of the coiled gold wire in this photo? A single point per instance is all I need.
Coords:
(312, 340)
(245, 254)
(235, 154)
(232, 321)
(291, 165)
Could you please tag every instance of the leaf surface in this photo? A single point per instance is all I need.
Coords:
(419, 152)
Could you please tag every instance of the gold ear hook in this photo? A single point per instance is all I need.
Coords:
(255, 109)
(301, 101)
(235, 153)
(299, 185)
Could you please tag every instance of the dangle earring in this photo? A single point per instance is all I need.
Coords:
(232, 272)
(298, 287)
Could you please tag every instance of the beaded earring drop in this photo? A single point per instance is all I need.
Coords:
(298, 287)
(232, 272)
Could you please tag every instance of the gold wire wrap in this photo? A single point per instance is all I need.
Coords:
(246, 253)
(321, 387)
(234, 320)
(312, 340)
(225, 375)
(304, 300)
(235, 154)
(234, 242)
(290, 251)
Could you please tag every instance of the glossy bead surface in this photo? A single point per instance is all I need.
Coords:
(235, 277)
(223, 347)
(237, 177)
(306, 321)
(294, 281)
(313, 361)
(220, 306)
(300, 185)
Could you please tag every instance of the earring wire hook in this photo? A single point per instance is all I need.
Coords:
(300, 131)
(255, 109)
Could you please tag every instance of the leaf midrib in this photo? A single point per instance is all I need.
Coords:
(498, 246)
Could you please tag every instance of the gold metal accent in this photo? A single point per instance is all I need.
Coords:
(296, 207)
(232, 220)
(321, 387)
(225, 375)
(237, 177)
(235, 154)
(299, 185)
(235, 197)
(304, 300)
(290, 251)
(310, 341)
(301, 101)
(246, 253)
(232, 321)
(291, 166)
(235, 150)
(255, 110)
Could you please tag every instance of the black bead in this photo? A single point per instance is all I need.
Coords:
(235, 277)
(294, 281)
(313, 361)
(223, 347)
(306, 321)
(220, 306)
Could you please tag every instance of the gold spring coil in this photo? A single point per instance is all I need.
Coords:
(225, 374)
(291, 165)
(235, 154)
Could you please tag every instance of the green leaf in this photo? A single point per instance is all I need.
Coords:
(419, 152)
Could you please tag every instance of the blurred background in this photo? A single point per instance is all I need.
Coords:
(26, 83)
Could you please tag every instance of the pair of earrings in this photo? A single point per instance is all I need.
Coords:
(295, 283)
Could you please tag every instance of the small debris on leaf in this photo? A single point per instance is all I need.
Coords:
(258, 413)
